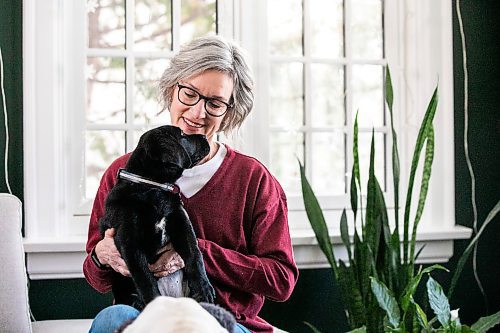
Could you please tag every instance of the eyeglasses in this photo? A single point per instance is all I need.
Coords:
(213, 106)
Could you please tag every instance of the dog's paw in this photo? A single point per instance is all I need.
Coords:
(202, 292)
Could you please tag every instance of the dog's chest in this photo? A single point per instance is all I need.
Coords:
(161, 230)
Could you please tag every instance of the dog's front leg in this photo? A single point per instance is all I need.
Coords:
(137, 264)
(185, 244)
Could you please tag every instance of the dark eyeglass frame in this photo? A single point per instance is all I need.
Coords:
(200, 97)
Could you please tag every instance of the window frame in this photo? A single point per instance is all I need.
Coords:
(55, 247)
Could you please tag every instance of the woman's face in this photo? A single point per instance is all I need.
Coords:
(195, 119)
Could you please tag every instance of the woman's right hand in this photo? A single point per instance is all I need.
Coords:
(108, 254)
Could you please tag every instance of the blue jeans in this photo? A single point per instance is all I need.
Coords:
(112, 317)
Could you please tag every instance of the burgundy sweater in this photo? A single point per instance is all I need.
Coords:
(240, 219)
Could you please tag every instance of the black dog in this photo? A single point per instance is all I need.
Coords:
(146, 211)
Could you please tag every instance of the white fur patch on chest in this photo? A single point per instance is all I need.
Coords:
(161, 228)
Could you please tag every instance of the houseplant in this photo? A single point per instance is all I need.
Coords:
(378, 265)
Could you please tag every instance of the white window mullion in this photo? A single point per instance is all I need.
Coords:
(307, 80)
(129, 74)
(349, 123)
(176, 24)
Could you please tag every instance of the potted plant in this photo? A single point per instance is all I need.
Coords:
(378, 281)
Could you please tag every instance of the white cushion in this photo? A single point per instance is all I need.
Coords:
(60, 326)
(14, 313)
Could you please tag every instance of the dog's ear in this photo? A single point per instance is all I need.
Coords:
(162, 144)
(196, 146)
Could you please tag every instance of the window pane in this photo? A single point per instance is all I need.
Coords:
(105, 90)
(101, 148)
(284, 19)
(364, 146)
(106, 23)
(368, 95)
(153, 25)
(198, 19)
(367, 29)
(328, 163)
(285, 149)
(286, 95)
(327, 102)
(327, 28)
(146, 99)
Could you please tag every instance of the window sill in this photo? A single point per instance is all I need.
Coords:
(62, 259)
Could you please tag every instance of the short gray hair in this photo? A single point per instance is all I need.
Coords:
(212, 53)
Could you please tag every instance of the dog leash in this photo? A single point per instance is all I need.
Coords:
(131, 177)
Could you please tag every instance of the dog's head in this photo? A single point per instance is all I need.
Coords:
(164, 152)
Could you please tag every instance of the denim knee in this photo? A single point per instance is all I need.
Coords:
(112, 317)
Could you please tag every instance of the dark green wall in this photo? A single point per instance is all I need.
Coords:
(11, 44)
(316, 299)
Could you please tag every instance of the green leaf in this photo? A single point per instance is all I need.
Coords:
(421, 317)
(438, 301)
(317, 220)
(355, 168)
(351, 296)
(424, 186)
(421, 138)
(413, 284)
(467, 329)
(386, 301)
(486, 323)
(372, 227)
(389, 98)
(344, 234)
(361, 329)
(468, 250)
(314, 329)
(354, 195)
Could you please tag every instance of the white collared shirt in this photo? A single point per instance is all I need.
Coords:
(193, 180)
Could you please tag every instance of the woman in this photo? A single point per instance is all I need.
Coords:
(238, 209)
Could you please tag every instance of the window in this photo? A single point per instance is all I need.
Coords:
(327, 66)
(90, 78)
(128, 47)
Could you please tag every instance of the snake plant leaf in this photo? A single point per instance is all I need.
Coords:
(354, 195)
(351, 296)
(372, 224)
(421, 138)
(355, 170)
(361, 329)
(386, 301)
(419, 252)
(424, 186)
(438, 301)
(314, 329)
(468, 250)
(486, 323)
(317, 220)
(344, 234)
(389, 98)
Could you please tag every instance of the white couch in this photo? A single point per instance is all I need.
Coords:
(14, 302)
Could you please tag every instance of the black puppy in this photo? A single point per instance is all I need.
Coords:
(146, 211)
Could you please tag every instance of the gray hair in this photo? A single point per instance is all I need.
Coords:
(212, 53)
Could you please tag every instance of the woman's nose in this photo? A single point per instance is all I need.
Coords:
(198, 110)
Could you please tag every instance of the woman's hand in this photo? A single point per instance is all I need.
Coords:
(108, 254)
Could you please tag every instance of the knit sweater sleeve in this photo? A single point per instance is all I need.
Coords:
(100, 279)
(268, 269)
